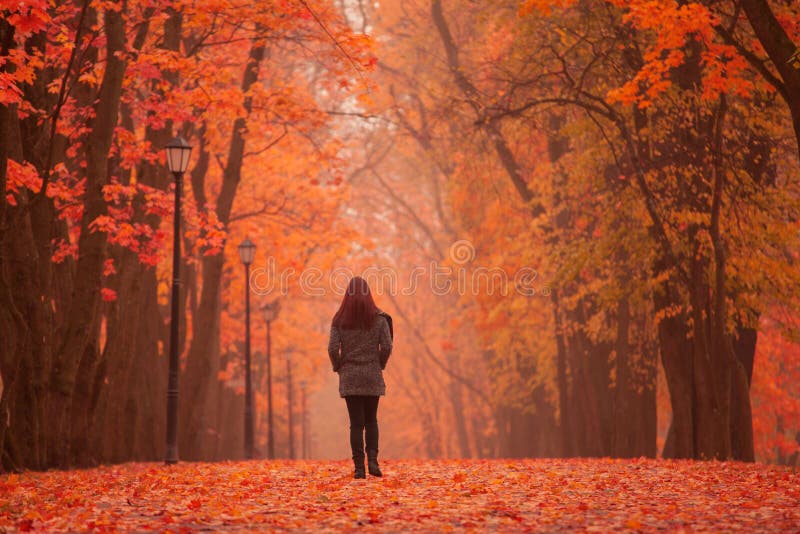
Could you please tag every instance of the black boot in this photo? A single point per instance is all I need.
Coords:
(372, 449)
(359, 468)
(357, 446)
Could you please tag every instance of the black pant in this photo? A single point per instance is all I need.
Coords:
(363, 411)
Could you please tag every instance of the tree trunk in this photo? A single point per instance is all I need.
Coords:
(131, 365)
(457, 405)
(677, 359)
(744, 348)
(85, 299)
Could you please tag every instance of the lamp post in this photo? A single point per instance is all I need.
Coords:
(289, 399)
(178, 152)
(270, 314)
(246, 252)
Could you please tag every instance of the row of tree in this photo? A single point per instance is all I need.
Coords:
(91, 93)
(642, 156)
(638, 160)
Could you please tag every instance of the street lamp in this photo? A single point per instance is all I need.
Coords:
(289, 399)
(270, 310)
(178, 152)
(246, 252)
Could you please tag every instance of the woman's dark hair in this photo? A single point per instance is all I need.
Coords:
(358, 310)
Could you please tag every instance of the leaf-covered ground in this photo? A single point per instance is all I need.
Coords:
(501, 495)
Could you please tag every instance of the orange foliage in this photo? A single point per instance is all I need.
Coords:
(776, 389)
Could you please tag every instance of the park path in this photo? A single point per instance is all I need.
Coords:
(424, 495)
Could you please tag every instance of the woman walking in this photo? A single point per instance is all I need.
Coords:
(359, 347)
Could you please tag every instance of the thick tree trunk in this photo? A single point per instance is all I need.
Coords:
(201, 364)
(24, 383)
(677, 359)
(130, 409)
(130, 362)
(585, 399)
(85, 299)
(635, 394)
(27, 292)
(744, 348)
(711, 376)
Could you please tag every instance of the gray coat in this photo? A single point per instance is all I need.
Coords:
(359, 357)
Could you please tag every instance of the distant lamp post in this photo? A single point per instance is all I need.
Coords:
(289, 400)
(270, 310)
(178, 152)
(794, 59)
(247, 251)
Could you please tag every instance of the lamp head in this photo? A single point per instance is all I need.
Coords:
(247, 251)
(271, 310)
(178, 151)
